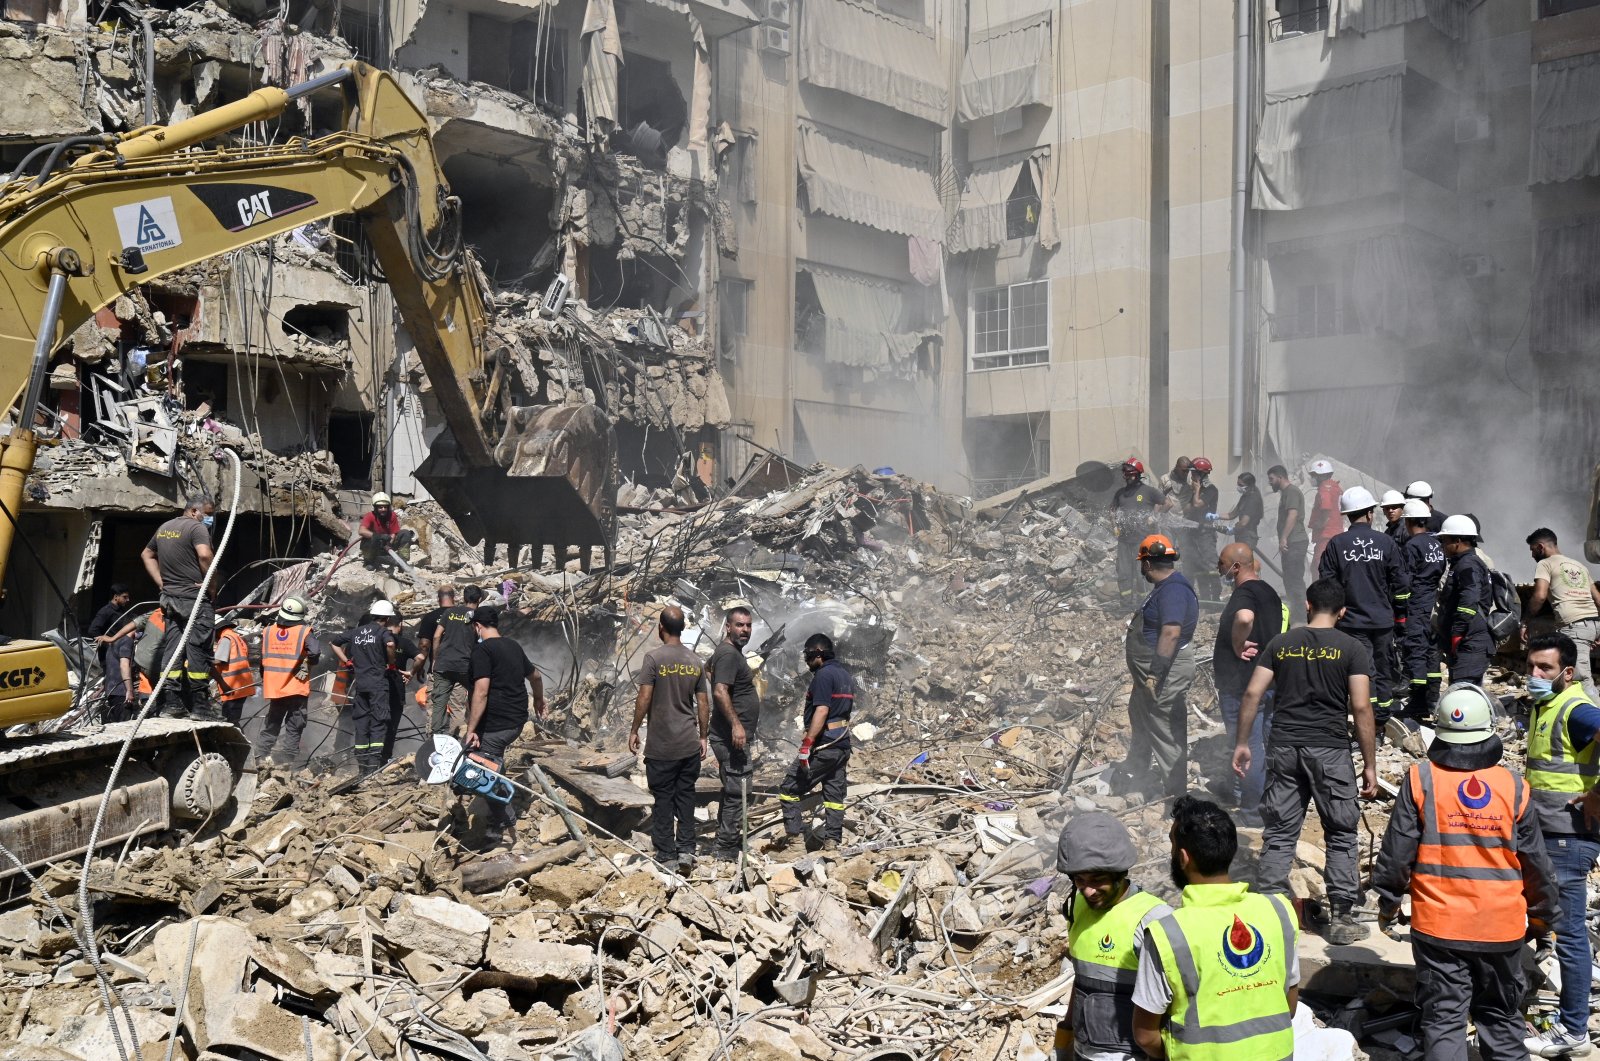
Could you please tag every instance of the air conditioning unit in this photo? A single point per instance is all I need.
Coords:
(774, 40)
(776, 13)
(1472, 128)
(555, 297)
(1476, 266)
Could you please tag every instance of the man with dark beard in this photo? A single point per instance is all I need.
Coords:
(733, 726)
(1106, 917)
(1223, 967)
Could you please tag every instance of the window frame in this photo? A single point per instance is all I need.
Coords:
(1012, 356)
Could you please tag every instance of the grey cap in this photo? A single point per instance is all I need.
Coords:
(1095, 842)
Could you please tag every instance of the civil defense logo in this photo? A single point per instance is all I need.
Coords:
(1457, 715)
(1473, 793)
(1105, 943)
(1243, 945)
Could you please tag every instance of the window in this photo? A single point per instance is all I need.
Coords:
(735, 308)
(1011, 326)
(1022, 208)
(1315, 311)
(1547, 8)
(363, 31)
(1298, 17)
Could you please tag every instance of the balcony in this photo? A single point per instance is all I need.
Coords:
(1309, 19)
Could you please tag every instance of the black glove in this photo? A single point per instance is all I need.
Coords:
(383, 541)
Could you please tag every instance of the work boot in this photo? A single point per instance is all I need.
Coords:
(783, 841)
(1343, 928)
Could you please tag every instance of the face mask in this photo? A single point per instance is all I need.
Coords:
(206, 521)
(1541, 689)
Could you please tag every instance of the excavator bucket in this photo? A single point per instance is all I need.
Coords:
(553, 483)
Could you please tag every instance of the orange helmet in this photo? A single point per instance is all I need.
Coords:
(1201, 465)
(1157, 547)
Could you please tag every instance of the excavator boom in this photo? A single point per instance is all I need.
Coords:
(158, 201)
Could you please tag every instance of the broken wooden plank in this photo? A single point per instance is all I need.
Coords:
(491, 874)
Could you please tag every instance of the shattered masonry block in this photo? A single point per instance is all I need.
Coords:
(443, 928)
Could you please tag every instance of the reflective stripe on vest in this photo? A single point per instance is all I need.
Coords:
(235, 678)
(281, 648)
(1103, 945)
(1467, 881)
(1553, 764)
(1224, 938)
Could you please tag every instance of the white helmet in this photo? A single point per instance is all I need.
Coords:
(1321, 467)
(292, 610)
(1465, 715)
(381, 609)
(1420, 488)
(1416, 508)
(1392, 498)
(1356, 499)
(380, 498)
(1458, 527)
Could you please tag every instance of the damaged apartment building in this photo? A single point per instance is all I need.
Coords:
(576, 136)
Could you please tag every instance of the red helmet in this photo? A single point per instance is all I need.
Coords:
(1157, 547)
(1201, 465)
(1132, 466)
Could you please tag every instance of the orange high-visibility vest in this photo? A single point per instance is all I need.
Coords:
(340, 696)
(235, 678)
(158, 624)
(1467, 881)
(281, 649)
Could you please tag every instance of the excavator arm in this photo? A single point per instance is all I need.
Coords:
(157, 201)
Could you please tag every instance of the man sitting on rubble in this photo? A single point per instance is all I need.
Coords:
(381, 533)
(1319, 674)
(1106, 917)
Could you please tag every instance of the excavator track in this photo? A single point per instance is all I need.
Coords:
(51, 786)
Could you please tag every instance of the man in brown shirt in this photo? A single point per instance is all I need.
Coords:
(177, 558)
(1565, 584)
(674, 695)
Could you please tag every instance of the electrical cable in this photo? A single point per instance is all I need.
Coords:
(85, 908)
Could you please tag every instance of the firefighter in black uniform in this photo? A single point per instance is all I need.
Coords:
(1464, 603)
(1425, 564)
(1133, 510)
(1377, 593)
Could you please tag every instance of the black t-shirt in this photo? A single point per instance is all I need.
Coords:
(1311, 669)
(119, 650)
(101, 623)
(507, 667)
(367, 647)
(1232, 673)
(833, 687)
(450, 630)
(1251, 505)
(728, 667)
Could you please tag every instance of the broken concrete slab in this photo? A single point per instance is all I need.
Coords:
(448, 930)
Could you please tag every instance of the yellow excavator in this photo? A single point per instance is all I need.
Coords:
(103, 214)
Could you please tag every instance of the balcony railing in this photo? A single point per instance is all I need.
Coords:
(1298, 23)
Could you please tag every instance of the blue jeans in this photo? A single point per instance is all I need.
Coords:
(1573, 858)
(1255, 779)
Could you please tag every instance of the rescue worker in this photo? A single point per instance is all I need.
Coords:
(177, 558)
(1292, 539)
(406, 655)
(1133, 509)
(1253, 616)
(1566, 585)
(445, 636)
(1323, 521)
(236, 679)
(505, 684)
(1377, 593)
(1107, 915)
(1247, 511)
(1160, 656)
(368, 650)
(1200, 542)
(674, 697)
(824, 754)
(381, 533)
(1393, 504)
(1464, 603)
(1219, 977)
(1562, 773)
(288, 652)
(1318, 672)
(1421, 491)
(1425, 566)
(736, 706)
(1464, 843)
